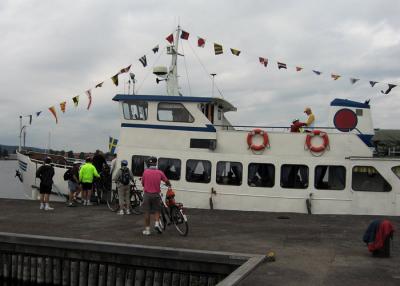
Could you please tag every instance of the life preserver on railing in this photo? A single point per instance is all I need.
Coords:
(320, 148)
(257, 147)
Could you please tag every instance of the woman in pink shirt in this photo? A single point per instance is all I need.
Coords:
(151, 181)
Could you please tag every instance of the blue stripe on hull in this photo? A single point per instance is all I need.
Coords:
(208, 128)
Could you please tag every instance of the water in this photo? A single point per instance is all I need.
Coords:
(10, 187)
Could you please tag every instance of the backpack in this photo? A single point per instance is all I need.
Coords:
(68, 175)
(125, 177)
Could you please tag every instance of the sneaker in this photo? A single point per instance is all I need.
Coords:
(120, 212)
(128, 212)
(42, 206)
(48, 208)
(146, 231)
(71, 205)
(88, 203)
(157, 227)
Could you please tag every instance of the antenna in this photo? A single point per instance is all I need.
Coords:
(213, 77)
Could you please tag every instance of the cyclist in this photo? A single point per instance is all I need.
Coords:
(45, 173)
(86, 176)
(151, 180)
(123, 178)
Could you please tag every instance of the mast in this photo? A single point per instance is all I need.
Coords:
(172, 80)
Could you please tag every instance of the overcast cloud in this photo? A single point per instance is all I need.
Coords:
(52, 50)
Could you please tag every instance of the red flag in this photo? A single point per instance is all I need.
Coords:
(89, 94)
(53, 111)
(201, 42)
(299, 68)
(170, 38)
(184, 35)
(263, 61)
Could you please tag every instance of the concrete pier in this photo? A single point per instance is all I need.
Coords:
(310, 249)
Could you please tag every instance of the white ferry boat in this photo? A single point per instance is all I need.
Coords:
(213, 164)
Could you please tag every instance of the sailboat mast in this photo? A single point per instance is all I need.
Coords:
(172, 81)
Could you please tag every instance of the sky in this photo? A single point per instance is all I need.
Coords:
(53, 50)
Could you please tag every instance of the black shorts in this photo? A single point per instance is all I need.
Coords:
(45, 189)
(151, 202)
(87, 186)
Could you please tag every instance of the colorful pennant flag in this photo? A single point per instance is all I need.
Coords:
(218, 49)
(52, 109)
(143, 60)
(62, 106)
(354, 80)
(114, 79)
(155, 49)
(124, 70)
(335, 76)
(372, 83)
(391, 86)
(317, 72)
(99, 84)
(75, 99)
(38, 113)
(235, 52)
(89, 95)
(201, 42)
(30, 119)
(299, 69)
(282, 65)
(112, 144)
(184, 35)
(263, 61)
(170, 38)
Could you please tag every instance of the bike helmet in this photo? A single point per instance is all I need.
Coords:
(124, 163)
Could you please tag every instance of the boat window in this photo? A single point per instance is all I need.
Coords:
(139, 164)
(135, 110)
(396, 171)
(198, 171)
(229, 173)
(368, 179)
(294, 176)
(170, 167)
(173, 112)
(261, 175)
(330, 177)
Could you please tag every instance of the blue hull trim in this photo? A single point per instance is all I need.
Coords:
(208, 128)
(366, 138)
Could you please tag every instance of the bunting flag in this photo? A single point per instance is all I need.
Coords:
(263, 61)
(112, 144)
(354, 80)
(143, 60)
(30, 119)
(62, 106)
(75, 99)
(89, 95)
(99, 84)
(282, 65)
(201, 42)
(335, 76)
(53, 111)
(155, 49)
(115, 79)
(372, 83)
(218, 49)
(299, 69)
(170, 38)
(317, 72)
(184, 35)
(124, 70)
(235, 52)
(391, 86)
(38, 113)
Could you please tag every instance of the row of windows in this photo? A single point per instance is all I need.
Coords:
(170, 112)
(364, 178)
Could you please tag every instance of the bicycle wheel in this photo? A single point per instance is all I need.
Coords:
(113, 200)
(180, 221)
(163, 218)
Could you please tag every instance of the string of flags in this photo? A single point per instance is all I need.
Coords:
(201, 43)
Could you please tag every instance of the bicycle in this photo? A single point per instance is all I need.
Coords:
(174, 213)
(135, 195)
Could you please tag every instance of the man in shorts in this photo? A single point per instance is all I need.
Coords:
(151, 180)
(86, 177)
(73, 184)
(45, 173)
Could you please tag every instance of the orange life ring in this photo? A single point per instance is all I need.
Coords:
(253, 133)
(320, 148)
